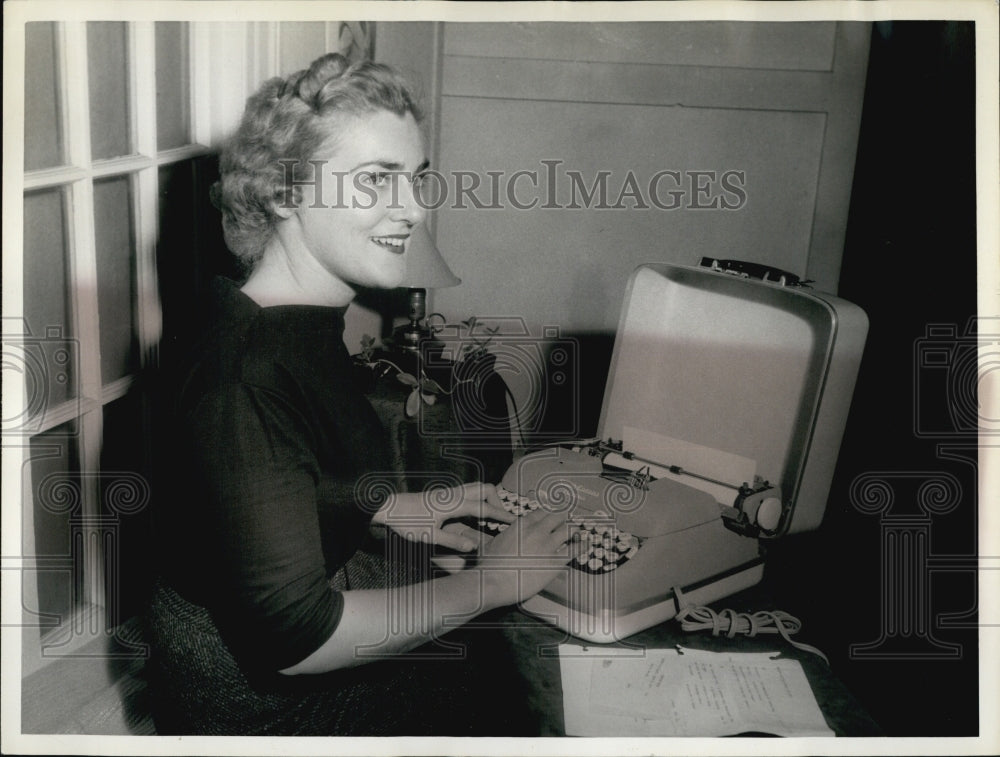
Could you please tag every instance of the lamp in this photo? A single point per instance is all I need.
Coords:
(425, 269)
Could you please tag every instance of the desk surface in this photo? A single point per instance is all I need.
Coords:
(528, 638)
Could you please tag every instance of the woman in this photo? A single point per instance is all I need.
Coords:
(267, 609)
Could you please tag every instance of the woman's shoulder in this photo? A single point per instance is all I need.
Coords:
(211, 356)
(276, 349)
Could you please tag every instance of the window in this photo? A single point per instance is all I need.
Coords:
(118, 238)
(107, 125)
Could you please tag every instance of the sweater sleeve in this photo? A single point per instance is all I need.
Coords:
(252, 455)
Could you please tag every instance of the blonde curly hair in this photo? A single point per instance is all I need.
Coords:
(288, 119)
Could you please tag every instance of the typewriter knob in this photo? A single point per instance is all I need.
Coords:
(769, 513)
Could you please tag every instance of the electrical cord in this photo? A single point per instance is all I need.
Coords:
(517, 417)
(731, 623)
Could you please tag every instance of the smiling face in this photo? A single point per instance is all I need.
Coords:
(354, 223)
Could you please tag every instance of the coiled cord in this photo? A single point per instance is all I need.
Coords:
(731, 623)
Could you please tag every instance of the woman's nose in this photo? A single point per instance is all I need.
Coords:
(408, 208)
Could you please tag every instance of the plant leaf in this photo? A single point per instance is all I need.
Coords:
(430, 385)
(406, 378)
(412, 403)
(430, 399)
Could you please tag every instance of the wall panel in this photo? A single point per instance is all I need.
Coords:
(791, 46)
(778, 102)
(568, 265)
(300, 43)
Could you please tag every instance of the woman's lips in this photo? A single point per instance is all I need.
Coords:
(393, 243)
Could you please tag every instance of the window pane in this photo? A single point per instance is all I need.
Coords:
(51, 369)
(42, 120)
(56, 501)
(107, 65)
(172, 85)
(115, 277)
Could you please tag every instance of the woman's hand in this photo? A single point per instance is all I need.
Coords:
(522, 560)
(513, 566)
(420, 516)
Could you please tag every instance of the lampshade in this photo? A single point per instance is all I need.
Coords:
(425, 268)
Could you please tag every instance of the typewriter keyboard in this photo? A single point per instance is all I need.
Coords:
(608, 547)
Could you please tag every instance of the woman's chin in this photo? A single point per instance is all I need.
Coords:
(384, 279)
(393, 274)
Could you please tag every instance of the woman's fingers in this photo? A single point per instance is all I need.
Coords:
(456, 541)
(493, 512)
(543, 521)
(452, 536)
(482, 501)
(537, 534)
(471, 535)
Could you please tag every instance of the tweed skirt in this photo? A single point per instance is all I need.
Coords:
(451, 687)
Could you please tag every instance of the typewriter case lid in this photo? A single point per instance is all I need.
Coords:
(729, 377)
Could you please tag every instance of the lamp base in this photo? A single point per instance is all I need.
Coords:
(409, 336)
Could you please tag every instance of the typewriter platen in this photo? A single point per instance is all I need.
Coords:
(720, 427)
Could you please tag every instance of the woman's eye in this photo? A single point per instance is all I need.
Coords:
(374, 178)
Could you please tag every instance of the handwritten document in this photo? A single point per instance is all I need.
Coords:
(666, 692)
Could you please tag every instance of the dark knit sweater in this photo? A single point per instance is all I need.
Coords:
(269, 439)
(269, 443)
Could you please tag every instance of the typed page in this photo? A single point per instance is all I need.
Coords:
(670, 692)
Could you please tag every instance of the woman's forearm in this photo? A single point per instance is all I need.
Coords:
(515, 565)
(380, 622)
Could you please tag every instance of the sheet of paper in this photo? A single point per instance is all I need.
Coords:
(575, 664)
(664, 693)
(724, 466)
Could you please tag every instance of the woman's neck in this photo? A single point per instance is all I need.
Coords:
(277, 280)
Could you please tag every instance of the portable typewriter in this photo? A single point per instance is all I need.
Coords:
(720, 427)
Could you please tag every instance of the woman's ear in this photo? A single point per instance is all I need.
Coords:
(286, 203)
(283, 210)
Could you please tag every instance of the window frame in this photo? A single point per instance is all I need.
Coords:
(226, 61)
(76, 178)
